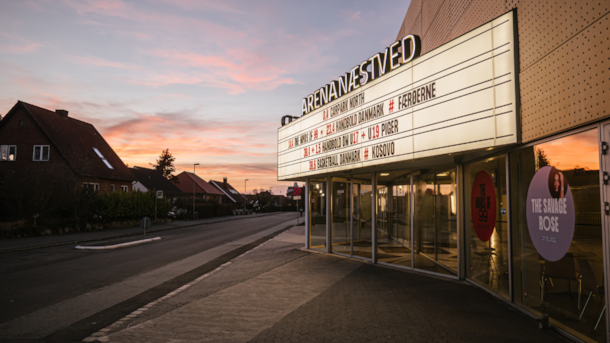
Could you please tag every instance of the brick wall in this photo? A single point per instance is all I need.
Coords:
(25, 137)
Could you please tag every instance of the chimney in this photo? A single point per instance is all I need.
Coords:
(224, 182)
(62, 113)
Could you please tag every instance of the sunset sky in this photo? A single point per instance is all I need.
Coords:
(209, 80)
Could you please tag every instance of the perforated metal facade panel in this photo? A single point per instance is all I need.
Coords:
(564, 54)
(570, 86)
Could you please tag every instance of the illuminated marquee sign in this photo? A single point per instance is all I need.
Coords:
(458, 97)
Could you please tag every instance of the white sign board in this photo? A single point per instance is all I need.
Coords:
(458, 97)
(159, 194)
(296, 197)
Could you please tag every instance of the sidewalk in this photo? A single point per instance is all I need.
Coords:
(7, 245)
(279, 292)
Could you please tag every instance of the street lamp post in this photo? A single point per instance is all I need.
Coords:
(271, 192)
(246, 180)
(194, 164)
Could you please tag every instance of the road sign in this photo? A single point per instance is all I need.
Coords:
(296, 191)
(159, 194)
(296, 197)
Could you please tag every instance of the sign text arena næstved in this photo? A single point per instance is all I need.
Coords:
(370, 69)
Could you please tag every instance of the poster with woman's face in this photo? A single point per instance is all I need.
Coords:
(550, 213)
(558, 186)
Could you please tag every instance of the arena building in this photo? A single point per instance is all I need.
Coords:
(475, 147)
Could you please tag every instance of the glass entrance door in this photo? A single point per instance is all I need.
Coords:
(435, 222)
(340, 223)
(317, 214)
(362, 224)
(394, 218)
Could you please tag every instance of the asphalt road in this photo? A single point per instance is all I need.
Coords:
(68, 285)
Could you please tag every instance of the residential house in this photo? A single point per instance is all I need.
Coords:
(150, 179)
(231, 193)
(36, 142)
(190, 183)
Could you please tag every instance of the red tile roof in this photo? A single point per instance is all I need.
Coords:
(75, 140)
(186, 184)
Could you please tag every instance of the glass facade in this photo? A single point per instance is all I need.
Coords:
(562, 288)
(487, 245)
(481, 233)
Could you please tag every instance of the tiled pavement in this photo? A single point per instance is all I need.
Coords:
(281, 293)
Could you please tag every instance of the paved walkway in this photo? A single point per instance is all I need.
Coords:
(279, 292)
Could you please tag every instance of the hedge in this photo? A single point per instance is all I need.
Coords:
(120, 206)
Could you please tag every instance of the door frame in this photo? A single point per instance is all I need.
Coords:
(604, 166)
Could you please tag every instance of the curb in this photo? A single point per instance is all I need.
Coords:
(124, 235)
(114, 246)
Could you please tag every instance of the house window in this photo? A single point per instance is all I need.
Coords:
(112, 188)
(103, 158)
(41, 153)
(8, 153)
(90, 186)
(21, 123)
(124, 188)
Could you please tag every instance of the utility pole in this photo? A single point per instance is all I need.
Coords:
(194, 164)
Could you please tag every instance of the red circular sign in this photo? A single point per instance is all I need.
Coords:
(296, 191)
(483, 206)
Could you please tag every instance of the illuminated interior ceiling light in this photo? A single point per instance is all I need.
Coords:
(317, 186)
(442, 174)
(384, 174)
(489, 149)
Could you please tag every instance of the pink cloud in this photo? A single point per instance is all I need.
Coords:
(250, 70)
(354, 15)
(19, 45)
(31, 47)
(97, 61)
(111, 7)
(203, 5)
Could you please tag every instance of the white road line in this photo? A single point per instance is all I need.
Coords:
(114, 246)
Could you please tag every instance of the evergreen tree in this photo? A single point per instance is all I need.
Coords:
(543, 159)
(165, 165)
